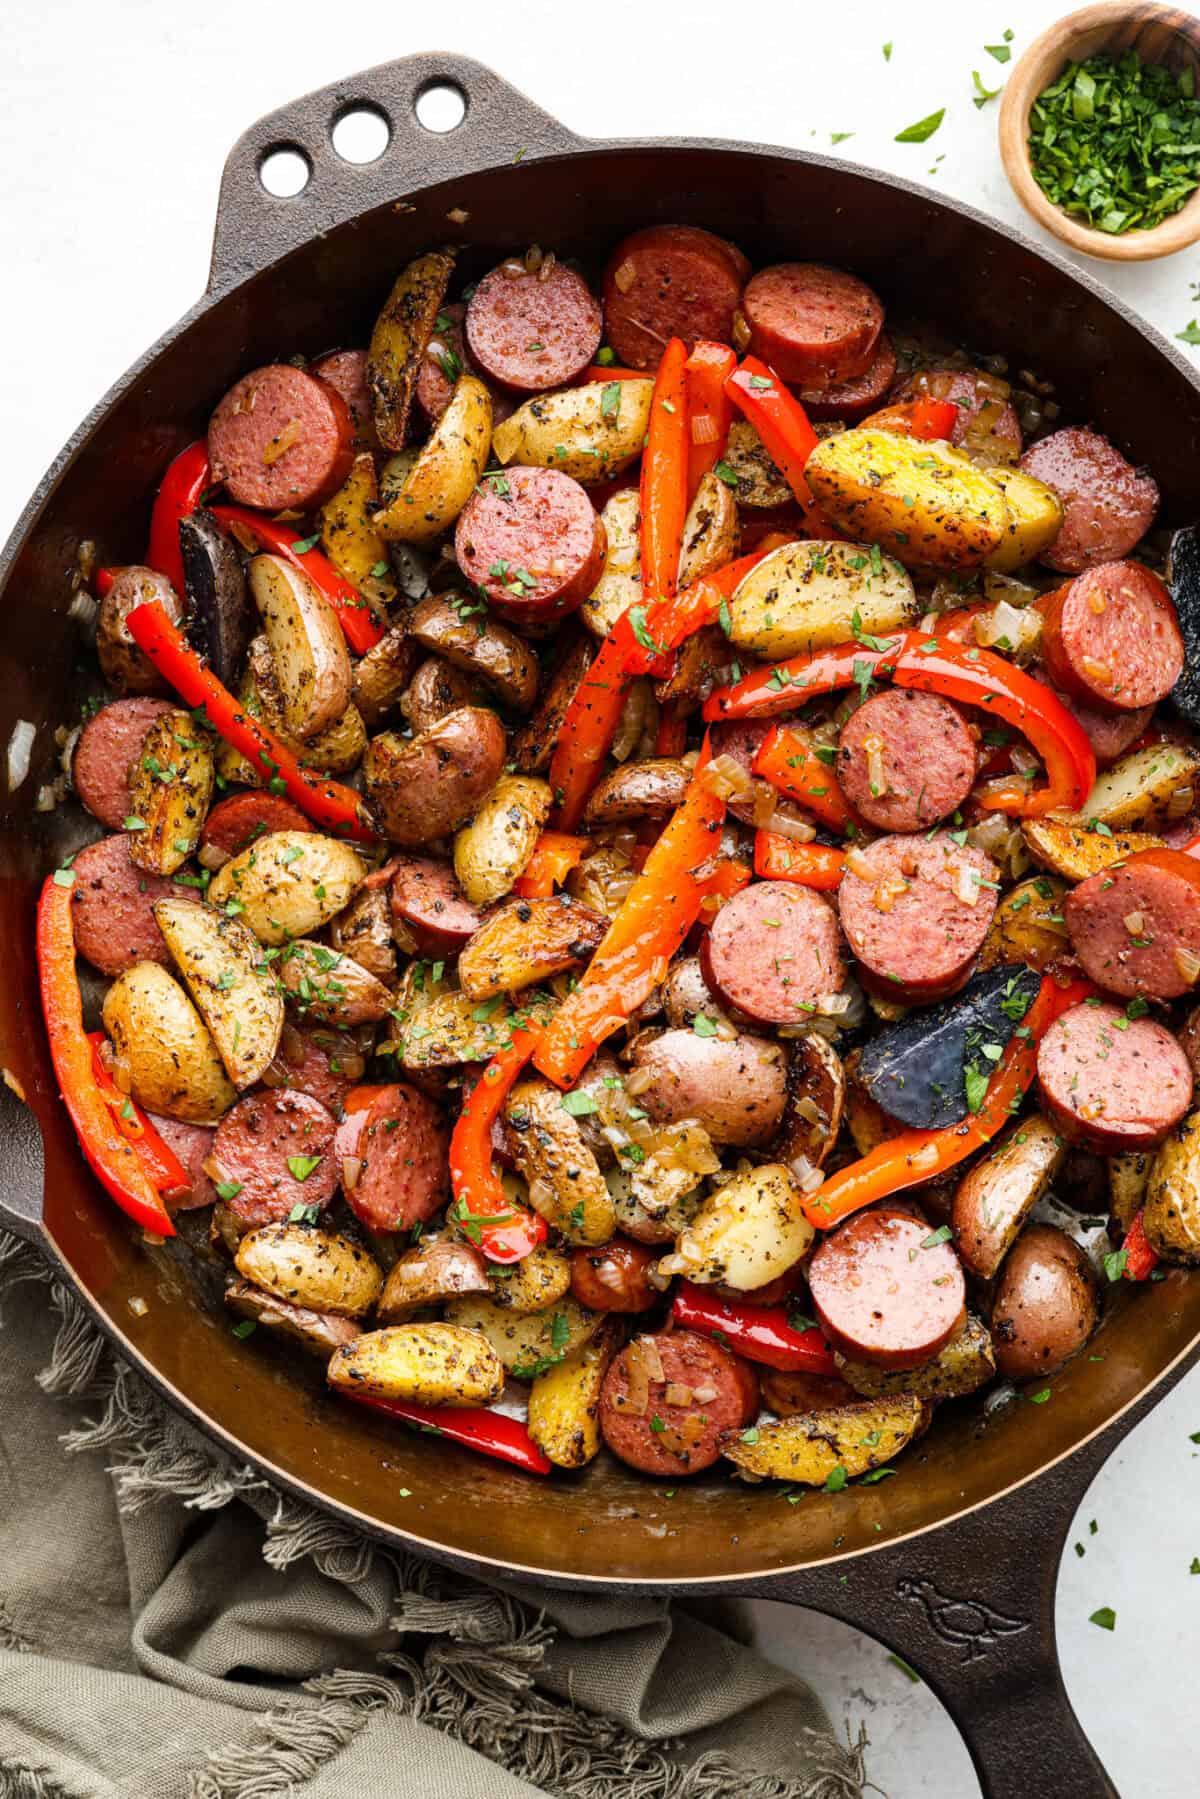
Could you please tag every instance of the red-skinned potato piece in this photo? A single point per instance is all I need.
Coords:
(612, 1277)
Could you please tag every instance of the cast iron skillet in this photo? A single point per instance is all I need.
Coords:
(972, 1607)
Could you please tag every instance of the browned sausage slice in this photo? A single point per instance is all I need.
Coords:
(107, 746)
(886, 1289)
(533, 542)
(1110, 733)
(666, 1400)
(612, 1277)
(670, 281)
(533, 330)
(405, 1175)
(238, 821)
(1117, 1083)
(1136, 927)
(276, 1149)
(1111, 638)
(773, 951)
(1108, 504)
(429, 904)
(444, 360)
(736, 1087)
(193, 1144)
(915, 911)
(814, 325)
(114, 908)
(346, 372)
(853, 400)
(281, 438)
(906, 759)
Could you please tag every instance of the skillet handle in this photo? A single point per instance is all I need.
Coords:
(500, 126)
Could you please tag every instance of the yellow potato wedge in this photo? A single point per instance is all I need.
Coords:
(564, 1401)
(965, 1363)
(381, 676)
(307, 645)
(620, 585)
(170, 786)
(231, 984)
(318, 1333)
(1171, 1206)
(806, 1448)
(924, 503)
(288, 884)
(807, 596)
(1035, 515)
(1137, 792)
(537, 1281)
(759, 482)
(526, 941)
(1074, 852)
(1127, 1178)
(1028, 925)
(444, 1029)
(349, 537)
(433, 1364)
(746, 1232)
(565, 1182)
(526, 1342)
(589, 432)
(443, 476)
(398, 342)
(710, 531)
(491, 852)
(173, 1062)
(308, 1267)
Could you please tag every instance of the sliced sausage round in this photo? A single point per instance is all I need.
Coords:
(1136, 927)
(281, 438)
(426, 786)
(533, 331)
(886, 1290)
(444, 360)
(320, 1061)
(1108, 505)
(735, 1087)
(915, 911)
(346, 372)
(612, 1277)
(814, 325)
(533, 543)
(637, 790)
(670, 281)
(404, 1146)
(126, 667)
(428, 902)
(241, 819)
(265, 1145)
(1109, 733)
(114, 908)
(1111, 638)
(906, 759)
(986, 424)
(711, 1391)
(1111, 1081)
(193, 1144)
(773, 951)
(853, 400)
(107, 747)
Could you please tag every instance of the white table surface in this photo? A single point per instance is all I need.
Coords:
(115, 119)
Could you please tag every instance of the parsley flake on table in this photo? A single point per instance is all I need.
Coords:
(1105, 1617)
(922, 130)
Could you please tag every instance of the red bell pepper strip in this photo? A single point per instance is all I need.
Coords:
(362, 629)
(779, 858)
(554, 856)
(587, 732)
(789, 763)
(932, 420)
(973, 677)
(112, 1157)
(601, 371)
(178, 497)
(157, 1157)
(474, 1426)
(1141, 1257)
(102, 581)
(665, 626)
(916, 1156)
(658, 912)
(783, 425)
(502, 1230)
(664, 483)
(727, 878)
(710, 410)
(760, 1333)
(333, 807)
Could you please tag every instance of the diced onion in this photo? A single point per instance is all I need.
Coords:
(702, 1395)
(282, 442)
(638, 1080)
(726, 779)
(705, 429)
(276, 1073)
(458, 215)
(834, 1005)
(83, 609)
(1019, 628)
(741, 332)
(676, 1393)
(546, 267)
(637, 1396)
(649, 1351)
(678, 1439)
(1181, 803)
(1188, 964)
(889, 891)
(858, 865)
(785, 824)
(138, 1306)
(212, 856)
(624, 277)
(876, 777)
(1096, 602)
(1135, 923)
(213, 1169)
(20, 750)
(1096, 671)
(925, 1157)
(966, 884)
(808, 1109)
(352, 1167)
(533, 259)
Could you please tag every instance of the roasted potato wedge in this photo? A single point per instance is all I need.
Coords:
(457, 628)
(1028, 925)
(620, 586)
(816, 1101)
(590, 432)
(924, 503)
(435, 1269)
(308, 648)
(313, 1268)
(866, 1120)
(448, 1028)
(1128, 1176)
(744, 1233)
(564, 1401)
(965, 1363)
(433, 1364)
(234, 990)
(398, 342)
(527, 1342)
(996, 1195)
(442, 478)
(806, 1448)
(565, 1182)
(710, 531)
(330, 987)
(1075, 852)
(1035, 515)
(173, 1062)
(288, 884)
(533, 745)
(334, 751)
(122, 664)
(170, 786)
(381, 676)
(1136, 792)
(349, 537)
(806, 596)
(1171, 1206)
(320, 1333)
(526, 941)
(364, 932)
(491, 851)
(659, 1222)
(759, 482)
(538, 1280)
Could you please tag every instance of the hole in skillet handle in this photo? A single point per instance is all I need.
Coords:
(440, 106)
(284, 171)
(361, 133)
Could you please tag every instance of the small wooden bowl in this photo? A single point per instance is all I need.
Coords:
(1159, 34)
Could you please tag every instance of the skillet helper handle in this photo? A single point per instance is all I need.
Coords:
(500, 126)
(28, 1090)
